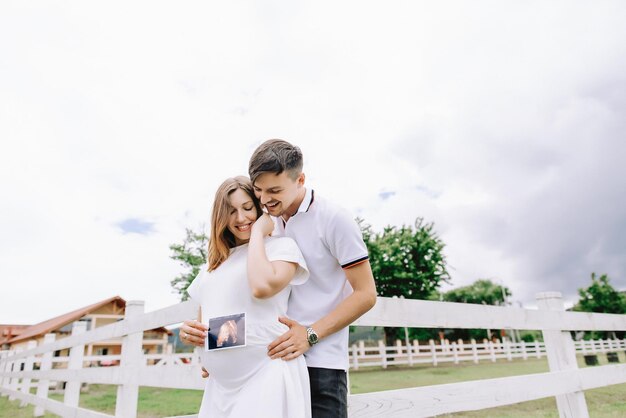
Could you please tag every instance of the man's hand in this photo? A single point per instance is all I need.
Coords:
(193, 333)
(291, 344)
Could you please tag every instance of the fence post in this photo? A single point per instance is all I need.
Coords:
(383, 353)
(524, 352)
(455, 353)
(409, 353)
(399, 348)
(355, 357)
(3, 355)
(362, 348)
(537, 349)
(507, 348)
(46, 364)
(5, 367)
(415, 350)
(128, 393)
(492, 349)
(77, 353)
(433, 351)
(474, 351)
(28, 367)
(15, 368)
(562, 356)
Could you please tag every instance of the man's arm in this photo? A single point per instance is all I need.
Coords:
(295, 343)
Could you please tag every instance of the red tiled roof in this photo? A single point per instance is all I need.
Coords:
(8, 331)
(58, 322)
(45, 327)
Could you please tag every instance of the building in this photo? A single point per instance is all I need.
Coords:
(99, 314)
(7, 332)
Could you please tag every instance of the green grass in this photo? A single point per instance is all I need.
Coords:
(153, 402)
(12, 409)
(425, 375)
(608, 402)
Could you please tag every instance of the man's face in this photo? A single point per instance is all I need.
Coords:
(279, 192)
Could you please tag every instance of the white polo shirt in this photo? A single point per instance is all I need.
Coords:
(330, 240)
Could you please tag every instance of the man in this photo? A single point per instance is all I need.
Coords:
(341, 285)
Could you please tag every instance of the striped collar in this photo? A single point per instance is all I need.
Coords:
(309, 197)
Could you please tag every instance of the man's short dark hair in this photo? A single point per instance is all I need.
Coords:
(275, 156)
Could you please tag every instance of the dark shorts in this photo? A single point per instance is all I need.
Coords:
(329, 393)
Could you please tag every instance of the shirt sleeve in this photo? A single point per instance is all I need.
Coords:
(286, 249)
(194, 288)
(345, 240)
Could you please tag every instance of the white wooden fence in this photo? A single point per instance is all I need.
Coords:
(379, 355)
(412, 353)
(564, 381)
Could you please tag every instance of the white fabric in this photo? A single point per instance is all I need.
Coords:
(245, 382)
(329, 238)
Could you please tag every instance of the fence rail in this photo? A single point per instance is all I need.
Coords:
(379, 355)
(564, 381)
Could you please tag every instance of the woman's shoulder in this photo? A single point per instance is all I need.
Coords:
(280, 241)
(203, 272)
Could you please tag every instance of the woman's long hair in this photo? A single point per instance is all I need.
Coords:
(221, 239)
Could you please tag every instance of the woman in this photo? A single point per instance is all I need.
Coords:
(248, 273)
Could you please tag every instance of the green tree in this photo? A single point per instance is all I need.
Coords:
(482, 291)
(406, 262)
(191, 255)
(601, 297)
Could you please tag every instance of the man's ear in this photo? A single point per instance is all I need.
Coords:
(301, 179)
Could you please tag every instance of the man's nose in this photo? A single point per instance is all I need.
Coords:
(264, 198)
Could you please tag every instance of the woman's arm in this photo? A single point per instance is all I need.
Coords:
(193, 332)
(266, 278)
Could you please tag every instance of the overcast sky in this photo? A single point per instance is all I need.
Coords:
(502, 122)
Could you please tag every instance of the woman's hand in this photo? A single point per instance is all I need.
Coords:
(193, 333)
(264, 224)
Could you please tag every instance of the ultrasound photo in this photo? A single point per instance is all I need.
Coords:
(226, 332)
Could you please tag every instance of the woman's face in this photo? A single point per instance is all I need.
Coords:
(242, 215)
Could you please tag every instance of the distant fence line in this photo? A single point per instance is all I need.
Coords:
(564, 381)
(411, 353)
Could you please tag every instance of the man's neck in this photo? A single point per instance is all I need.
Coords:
(293, 209)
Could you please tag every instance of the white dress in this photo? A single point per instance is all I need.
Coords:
(244, 382)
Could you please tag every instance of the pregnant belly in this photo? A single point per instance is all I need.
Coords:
(232, 367)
